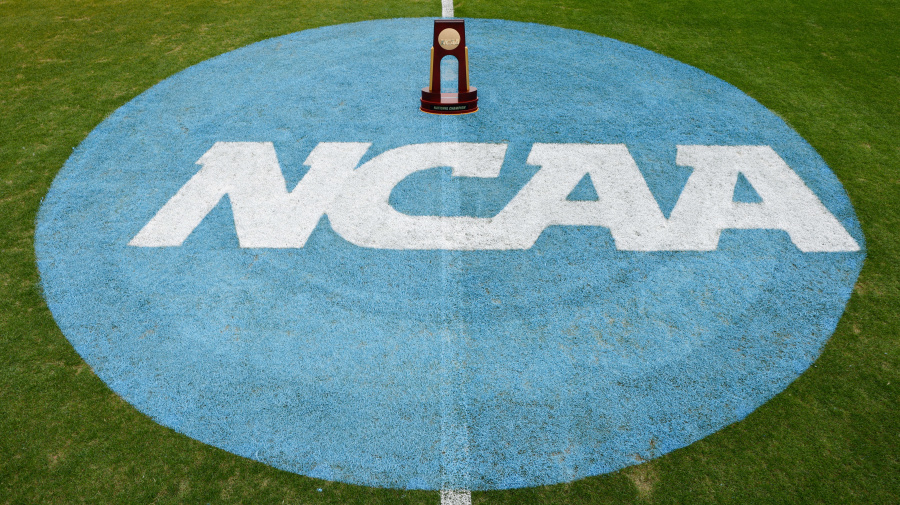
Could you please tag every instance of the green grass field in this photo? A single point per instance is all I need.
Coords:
(830, 69)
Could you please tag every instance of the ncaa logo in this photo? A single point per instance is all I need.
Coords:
(276, 253)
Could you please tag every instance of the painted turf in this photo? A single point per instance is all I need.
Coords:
(436, 369)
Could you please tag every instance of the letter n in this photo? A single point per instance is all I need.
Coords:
(265, 214)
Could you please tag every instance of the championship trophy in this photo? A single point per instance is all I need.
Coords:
(449, 39)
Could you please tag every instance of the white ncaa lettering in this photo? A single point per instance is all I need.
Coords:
(357, 201)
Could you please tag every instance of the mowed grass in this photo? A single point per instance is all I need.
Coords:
(831, 69)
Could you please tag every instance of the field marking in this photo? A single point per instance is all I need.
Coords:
(459, 363)
(454, 408)
(446, 8)
(456, 497)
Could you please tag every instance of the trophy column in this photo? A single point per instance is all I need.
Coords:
(449, 39)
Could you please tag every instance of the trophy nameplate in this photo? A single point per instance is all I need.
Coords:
(449, 40)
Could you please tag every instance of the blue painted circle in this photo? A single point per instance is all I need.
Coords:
(422, 369)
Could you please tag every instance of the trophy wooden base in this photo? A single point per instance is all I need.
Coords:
(449, 103)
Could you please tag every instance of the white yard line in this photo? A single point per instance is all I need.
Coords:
(446, 8)
(454, 422)
(456, 497)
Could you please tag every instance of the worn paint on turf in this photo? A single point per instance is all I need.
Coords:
(441, 367)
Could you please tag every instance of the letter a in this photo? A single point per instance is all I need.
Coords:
(706, 205)
(626, 205)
